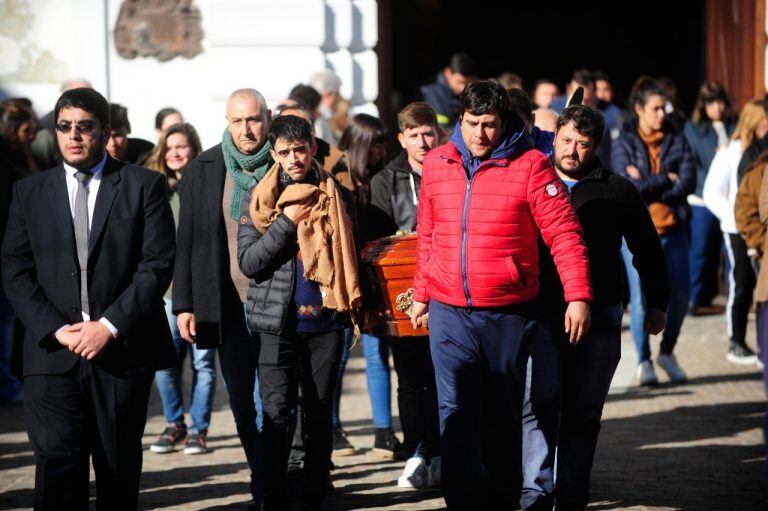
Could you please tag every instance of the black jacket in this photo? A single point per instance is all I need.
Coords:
(676, 157)
(609, 207)
(445, 102)
(12, 168)
(202, 283)
(130, 263)
(750, 155)
(392, 207)
(269, 261)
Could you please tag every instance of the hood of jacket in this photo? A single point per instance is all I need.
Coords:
(542, 140)
(513, 140)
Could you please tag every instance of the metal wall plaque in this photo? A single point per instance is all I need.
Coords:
(158, 28)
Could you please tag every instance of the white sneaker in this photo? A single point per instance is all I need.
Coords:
(646, 375)
(760, 364)
(434, 475)
(415, 474)
(670, 365)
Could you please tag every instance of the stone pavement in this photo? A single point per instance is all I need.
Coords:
(692, 446)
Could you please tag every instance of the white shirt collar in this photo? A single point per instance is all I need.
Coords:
(96, 171)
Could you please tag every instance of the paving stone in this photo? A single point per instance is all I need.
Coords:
(697, 445)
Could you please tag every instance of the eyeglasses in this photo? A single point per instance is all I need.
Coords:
(81, 127)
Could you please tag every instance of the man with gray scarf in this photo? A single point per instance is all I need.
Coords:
(209, 291)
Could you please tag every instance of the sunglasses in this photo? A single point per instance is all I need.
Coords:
(81, 127)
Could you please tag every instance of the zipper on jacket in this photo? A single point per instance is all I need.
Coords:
(290, 297)
(464, 220)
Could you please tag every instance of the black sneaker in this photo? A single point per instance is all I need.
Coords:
(168, 439)
(739, 353)
(341, 446)
(387, 446)
(195, 443)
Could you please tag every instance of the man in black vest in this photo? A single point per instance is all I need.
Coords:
(87, 255)
(209, 291)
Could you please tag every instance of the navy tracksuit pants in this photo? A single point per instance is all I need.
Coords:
(480, 360)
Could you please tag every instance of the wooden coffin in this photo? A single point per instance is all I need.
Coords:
(391, 263)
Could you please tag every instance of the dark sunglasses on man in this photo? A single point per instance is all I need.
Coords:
(81, 128)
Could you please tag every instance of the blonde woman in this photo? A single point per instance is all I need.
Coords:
(719, 195)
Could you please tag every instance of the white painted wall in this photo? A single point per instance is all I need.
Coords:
(267, 45)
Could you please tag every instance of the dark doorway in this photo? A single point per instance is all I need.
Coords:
(548, 40)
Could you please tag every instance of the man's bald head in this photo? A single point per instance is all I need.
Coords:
(297, 111)
(75, 83)
(545, 119)
(248, 119)
(247, 94)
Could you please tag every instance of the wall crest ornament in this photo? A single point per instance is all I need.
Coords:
(158, 28)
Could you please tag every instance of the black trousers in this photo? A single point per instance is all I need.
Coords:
(239, 358)
(285, 362)
(416, 396)
(82, 413)
(741, 285)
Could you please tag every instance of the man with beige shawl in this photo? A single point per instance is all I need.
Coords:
(296, 244)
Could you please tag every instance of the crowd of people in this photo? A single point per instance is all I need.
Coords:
(540, 216)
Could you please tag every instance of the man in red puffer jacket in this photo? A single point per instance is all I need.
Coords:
(485, 198)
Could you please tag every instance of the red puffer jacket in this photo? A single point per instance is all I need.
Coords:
(477, 239)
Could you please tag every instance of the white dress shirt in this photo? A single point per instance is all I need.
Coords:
(92, 186)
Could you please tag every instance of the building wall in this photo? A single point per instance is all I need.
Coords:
(267, 45)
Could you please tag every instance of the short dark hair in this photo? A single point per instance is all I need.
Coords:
(510, 80)
(543, 81)
(86, 99)
(289, 127)
(463, 63)
(306, 96)
(119, 116)
(643, 89)
(521, 104)
(586, 120)
(583, 77)
(485, 97)
(601, 75)
(162, 114)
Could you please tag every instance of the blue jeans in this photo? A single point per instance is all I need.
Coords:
(675, 246)
(203, 382)
(239, 358)
(704, 255)
(376, 351)
(348, 336)
(565, 393)
(480, 358)
(10, 387)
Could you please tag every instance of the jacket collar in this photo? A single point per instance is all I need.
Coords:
(596, 171)
(401, 165)
(513, 140)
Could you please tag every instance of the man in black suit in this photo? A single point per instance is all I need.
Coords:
(87, 255)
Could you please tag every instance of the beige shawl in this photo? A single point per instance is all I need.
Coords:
(325, 237)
